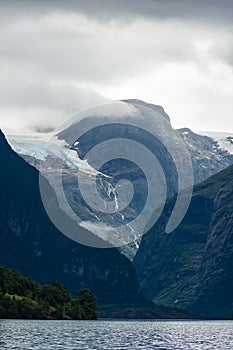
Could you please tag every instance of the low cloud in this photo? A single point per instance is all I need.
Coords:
(36, 103)
(124, 10)
(59, 57)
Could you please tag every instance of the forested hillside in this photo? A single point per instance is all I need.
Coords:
(21, 297)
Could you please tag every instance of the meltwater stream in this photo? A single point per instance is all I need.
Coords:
(116, 335)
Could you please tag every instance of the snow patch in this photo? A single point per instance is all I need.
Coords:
(223, 139)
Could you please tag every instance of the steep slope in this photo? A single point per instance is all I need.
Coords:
(206, 155)
(210, 152)
(193, 266)
(223, 139)
(30, 243)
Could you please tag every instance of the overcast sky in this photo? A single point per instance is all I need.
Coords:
(57, 57)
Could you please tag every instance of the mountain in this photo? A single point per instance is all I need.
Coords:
(157, 108)
(192, 267)
(207, 156)
(210, 152)
(224, 139)
(29, 241)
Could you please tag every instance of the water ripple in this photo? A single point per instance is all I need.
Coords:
(116, 335)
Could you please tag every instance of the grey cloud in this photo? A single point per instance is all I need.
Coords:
(70, 47)
(41, 92)
(223, 50)
(49, 50)
(37, 102)
(208, 10)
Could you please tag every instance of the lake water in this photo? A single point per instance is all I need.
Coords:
(111, 335)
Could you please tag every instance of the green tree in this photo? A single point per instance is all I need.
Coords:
(87, 301)
(21, 297)
(56, 294)
(9, 308)
(73, 310)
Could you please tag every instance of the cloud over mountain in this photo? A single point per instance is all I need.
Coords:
(58, 57)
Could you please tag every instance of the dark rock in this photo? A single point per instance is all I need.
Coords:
(29, 241)
(192, 268)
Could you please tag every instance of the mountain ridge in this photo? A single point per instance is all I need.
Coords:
(192, 267)
(206, 155)
(29, 241)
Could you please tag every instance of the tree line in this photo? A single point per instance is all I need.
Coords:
(23, 298)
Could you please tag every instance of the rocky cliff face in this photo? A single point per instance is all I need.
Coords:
(210, 152)
(192, 267)
(30, 243)
(207, 157)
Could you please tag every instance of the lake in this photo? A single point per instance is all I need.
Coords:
(111, 335)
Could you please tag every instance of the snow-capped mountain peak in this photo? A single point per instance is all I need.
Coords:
(224, 139)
